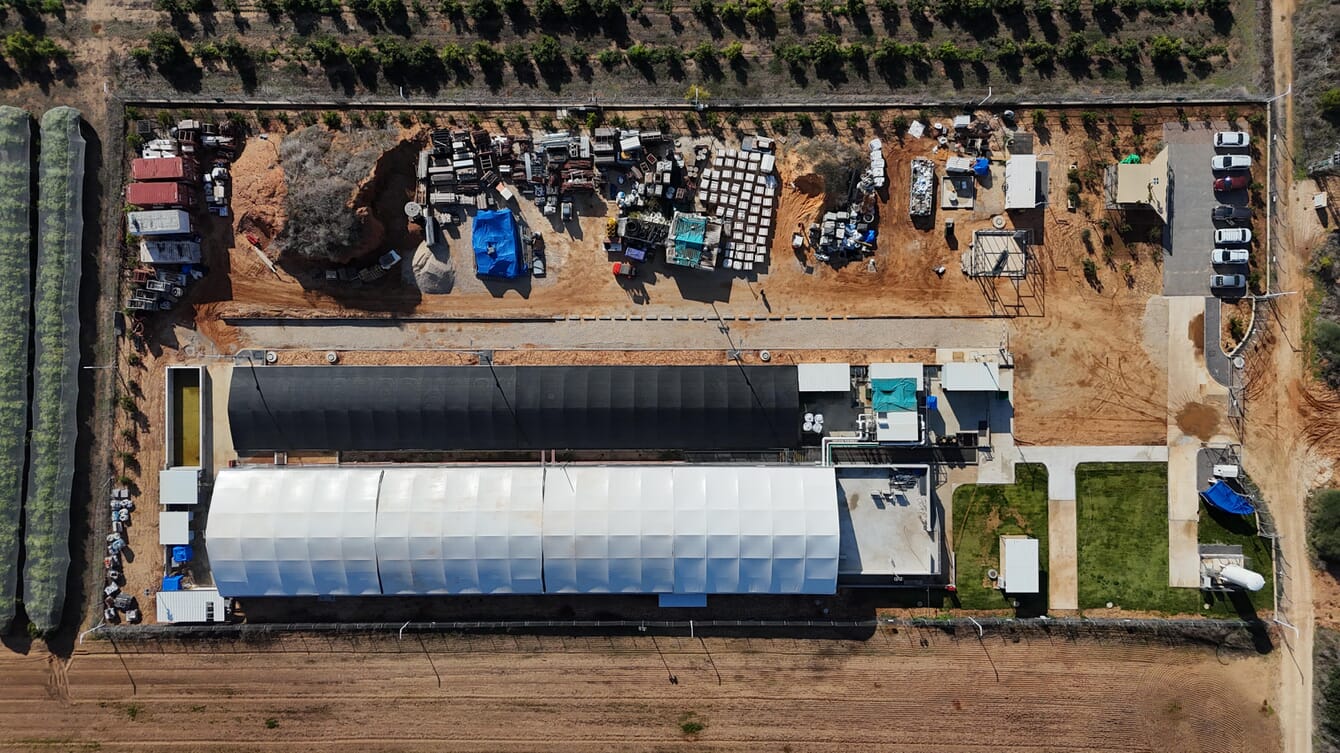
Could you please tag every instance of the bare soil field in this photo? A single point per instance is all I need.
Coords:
(909, 690)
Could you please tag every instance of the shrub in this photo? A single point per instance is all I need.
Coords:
(1324, 527)
(1330, 103)
(332, 120)
(1091, 271)
(733, 52)
(609, 59)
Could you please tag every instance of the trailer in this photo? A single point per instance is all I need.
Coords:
(159, 222)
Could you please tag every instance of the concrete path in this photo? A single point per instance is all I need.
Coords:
(1061, 462)
(1062, 514)
(1188, 382)
(623, 335)
(1183, 515)
(1217, 361)
(1062, 555)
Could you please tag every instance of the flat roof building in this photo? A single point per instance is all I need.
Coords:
(1021, 182)
(895, 389)
(159, 194)
(1140, 185)
(158, 222)
(163, 168)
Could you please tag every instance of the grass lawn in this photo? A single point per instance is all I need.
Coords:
(1123, 544)
(984, 513)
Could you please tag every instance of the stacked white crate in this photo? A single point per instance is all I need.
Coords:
(739, 195)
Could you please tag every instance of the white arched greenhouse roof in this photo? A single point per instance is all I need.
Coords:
(690, 529)
(460, 531)
(294, 532)
(525, 530)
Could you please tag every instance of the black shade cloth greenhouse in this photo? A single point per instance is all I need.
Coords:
(389, 408)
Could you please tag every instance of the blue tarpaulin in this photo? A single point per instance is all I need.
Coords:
(1223, 497)
(182, 554)
(171, 583)
(496, 245)
(982, 166)
(893, 395)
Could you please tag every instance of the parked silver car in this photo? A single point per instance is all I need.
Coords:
(1228, 256)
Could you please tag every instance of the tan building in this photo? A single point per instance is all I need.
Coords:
(1140, 185)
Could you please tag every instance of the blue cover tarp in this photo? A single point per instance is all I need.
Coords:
(1223, 497)
(182, 554)
(982, 166)
(894, 395)
(171, 583)
(496, 245)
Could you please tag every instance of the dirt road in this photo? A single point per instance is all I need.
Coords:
(651, 335)
(1278, 455)
(515, 693)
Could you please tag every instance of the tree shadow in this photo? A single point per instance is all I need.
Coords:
(954, 72)
(1170, 71)
(890, 18)
(555, 76)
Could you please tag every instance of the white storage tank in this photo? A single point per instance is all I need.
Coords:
(1242, 578)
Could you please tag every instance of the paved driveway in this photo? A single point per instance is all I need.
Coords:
(1186, 268)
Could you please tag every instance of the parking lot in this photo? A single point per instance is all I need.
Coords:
(1187, 268)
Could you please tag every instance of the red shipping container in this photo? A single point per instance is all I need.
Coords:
(159, 195)
(163, 168)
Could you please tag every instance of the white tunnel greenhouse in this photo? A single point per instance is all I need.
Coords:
(500, 530)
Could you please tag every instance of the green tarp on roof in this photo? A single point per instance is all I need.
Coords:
(894, 395)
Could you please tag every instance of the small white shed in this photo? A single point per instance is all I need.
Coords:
(824, 377)
(1018, 565)
(970, 377)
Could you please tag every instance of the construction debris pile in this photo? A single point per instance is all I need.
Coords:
(168, 179)
(849, 233)
(923, 188)
(113, 601)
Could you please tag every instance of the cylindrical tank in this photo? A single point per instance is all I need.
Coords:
(1242, 578)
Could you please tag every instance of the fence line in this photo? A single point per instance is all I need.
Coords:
(652, 103)
(1232, 634)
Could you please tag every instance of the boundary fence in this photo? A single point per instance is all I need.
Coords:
(1238, 635)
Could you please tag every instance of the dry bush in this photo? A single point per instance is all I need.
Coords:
(322, 176)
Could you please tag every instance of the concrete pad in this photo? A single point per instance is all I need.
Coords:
(218, 432)
(1183, 554)
(1062, 554)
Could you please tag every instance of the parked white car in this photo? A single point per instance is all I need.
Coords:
(1231, 139)
(1235, 235)
(1228, 281)
(1231, 162)
(1229, 256)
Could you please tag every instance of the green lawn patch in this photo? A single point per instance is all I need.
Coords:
(982, 514)
(1122, 513)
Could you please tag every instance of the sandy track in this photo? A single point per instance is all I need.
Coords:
(507, 693)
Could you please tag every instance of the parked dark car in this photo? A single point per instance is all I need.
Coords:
(1230, 183)
(1230, 214)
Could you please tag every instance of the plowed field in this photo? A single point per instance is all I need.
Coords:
(905, 691)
